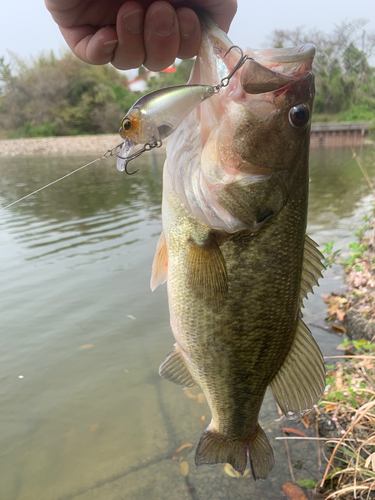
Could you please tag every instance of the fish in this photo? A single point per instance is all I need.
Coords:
(234, 250)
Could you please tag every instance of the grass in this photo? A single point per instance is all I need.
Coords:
(350, 403)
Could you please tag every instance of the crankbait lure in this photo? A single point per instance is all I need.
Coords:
(156, 115)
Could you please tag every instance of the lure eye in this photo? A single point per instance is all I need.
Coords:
(299, 116)
(126, 125)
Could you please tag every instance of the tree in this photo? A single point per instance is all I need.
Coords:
(345, 80)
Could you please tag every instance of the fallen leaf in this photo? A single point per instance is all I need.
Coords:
(341, 347)
(330, 408)
(228, 469)
(306, 421)
(291, 430)
(186, 445)
(339, 328)
(94, 427)
(294, 492)
(86, 346)
(184, 466)
(340, 315)
(203, 418)
(182, 452)
(324, 295)
(201, 398)
(130, 316)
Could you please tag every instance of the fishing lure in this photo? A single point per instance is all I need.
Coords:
(156, 115)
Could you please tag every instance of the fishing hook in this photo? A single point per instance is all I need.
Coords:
(224, 82)
(115, 152)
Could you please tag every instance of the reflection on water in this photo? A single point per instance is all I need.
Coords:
(90, 417)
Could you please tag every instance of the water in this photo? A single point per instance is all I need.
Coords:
(90, 418)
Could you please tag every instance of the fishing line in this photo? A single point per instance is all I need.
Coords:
(54, 182)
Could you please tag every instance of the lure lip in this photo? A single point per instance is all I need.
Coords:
(123, 155)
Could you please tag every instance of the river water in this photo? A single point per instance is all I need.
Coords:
(83, 412)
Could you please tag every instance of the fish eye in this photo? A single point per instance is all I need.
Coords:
(299, 116)
(126, 124)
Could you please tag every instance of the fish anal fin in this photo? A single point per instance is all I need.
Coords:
(206, 270)
(300, 382)
(159, 273)
(312, 267)
(214, 449)
(175, 370)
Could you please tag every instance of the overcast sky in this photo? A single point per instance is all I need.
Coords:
(27, 28)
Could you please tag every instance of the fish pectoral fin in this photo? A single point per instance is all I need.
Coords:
(311, 269)
(206, 270)
(159, 273)
(214, 449)
(175, 370)
(300, 382)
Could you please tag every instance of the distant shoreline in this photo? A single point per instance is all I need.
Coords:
(99, 144)
(56, 146)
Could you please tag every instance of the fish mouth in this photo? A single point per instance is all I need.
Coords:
(292, 61)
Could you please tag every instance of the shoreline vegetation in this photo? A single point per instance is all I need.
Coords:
(53, 96)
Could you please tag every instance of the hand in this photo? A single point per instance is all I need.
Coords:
(129, 33)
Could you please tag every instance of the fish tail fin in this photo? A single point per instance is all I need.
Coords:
(213, 449)
(261, 455)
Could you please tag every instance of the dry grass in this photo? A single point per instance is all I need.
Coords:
(350, 403)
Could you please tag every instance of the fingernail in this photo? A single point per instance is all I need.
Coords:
(162, 21)
(109, 47)
(134, 21)
(188, 26)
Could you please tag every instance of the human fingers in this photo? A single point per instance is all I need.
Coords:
(130, 51)
(92, 45)
(161, 36)
(190, 33)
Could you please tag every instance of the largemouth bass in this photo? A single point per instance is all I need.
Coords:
(234, 248)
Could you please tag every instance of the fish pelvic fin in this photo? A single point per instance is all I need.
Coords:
(300, 382)
(175, 370)
(159, 273)
(312, 268)
(213, 449)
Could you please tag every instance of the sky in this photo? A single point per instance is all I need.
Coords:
(27, 28)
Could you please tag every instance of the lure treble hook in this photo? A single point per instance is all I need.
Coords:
(117, 149)
(224, 82)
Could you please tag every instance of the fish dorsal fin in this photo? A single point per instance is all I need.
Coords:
(312, 268)
(159, 273)
(206, 271)
(175, 370)
(300, 382)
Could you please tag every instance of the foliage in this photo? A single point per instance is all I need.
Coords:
(345, 80)
(357, 248)
(306, 483)
(53, 95)
(330, 254)
(60, 96)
